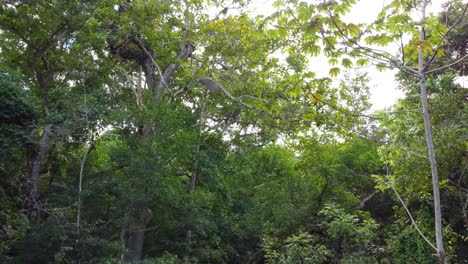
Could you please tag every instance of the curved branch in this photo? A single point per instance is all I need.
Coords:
(409, 214)
(448, 65)
(445, 35)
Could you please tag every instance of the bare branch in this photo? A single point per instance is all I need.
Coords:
(448, 65)
(82, 161)
(214, 86)
(409, 151)
(445, 35)
(184, 53)
(152, 60)
(136, 89)
(192, 82)
(363, 201)
(409, 213)
(384, 142)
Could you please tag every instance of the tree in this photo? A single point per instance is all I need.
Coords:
(38, 52)
(392, 24)
(447, 101)
(160, 131)
(18, 117)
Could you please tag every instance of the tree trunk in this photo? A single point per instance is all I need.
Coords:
(157, 80)
(35, 173)
(135, 245)
(430, 148)
(133, 232)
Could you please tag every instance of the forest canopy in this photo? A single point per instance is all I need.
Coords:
(161, 131)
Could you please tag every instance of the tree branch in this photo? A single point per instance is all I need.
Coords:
(409, 214)
(448, 65)
(363, 201)
(378, 55)
(152, 60)
(445, 35)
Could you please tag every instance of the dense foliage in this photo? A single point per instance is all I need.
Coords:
(196, 132)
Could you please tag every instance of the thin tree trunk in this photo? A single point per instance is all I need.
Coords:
(435, 175)
(193, 180)
(83, 161)
(430, 148)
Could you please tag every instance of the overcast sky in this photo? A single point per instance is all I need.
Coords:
(384, 90)
(383, 87)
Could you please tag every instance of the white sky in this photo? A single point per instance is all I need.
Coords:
(384, 90)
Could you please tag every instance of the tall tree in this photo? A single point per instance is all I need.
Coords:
(38, 39)
(414, 58)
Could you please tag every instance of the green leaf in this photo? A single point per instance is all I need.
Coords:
(278, 3)
(381, 66)
(423, 45)
(347, 63)
(353, 30)
(316, 98)
(333, 61)
(440, 53)
(362, 62)
(334, 72)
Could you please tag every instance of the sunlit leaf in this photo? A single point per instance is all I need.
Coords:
(353, 29)
(362, 62)
(316, 98)
(333, 61)
(334, 72)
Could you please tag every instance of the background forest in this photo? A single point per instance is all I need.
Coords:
(161, 131)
